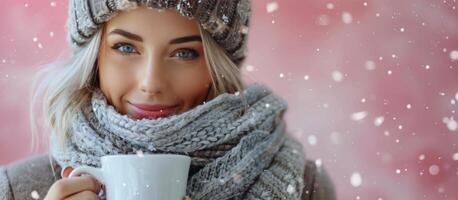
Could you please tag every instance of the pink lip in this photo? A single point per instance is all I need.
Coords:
(152, 111)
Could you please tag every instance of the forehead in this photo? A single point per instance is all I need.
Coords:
(152, 23)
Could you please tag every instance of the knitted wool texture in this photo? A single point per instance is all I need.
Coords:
(226, 20)
(242, 156)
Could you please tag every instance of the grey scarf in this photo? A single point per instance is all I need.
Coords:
(239, 156)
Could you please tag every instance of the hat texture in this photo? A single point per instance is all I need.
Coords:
(226, 20)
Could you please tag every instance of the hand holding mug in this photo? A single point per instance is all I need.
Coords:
(74, 188)
(141, 177)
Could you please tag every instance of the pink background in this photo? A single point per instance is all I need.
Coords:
(315, 56)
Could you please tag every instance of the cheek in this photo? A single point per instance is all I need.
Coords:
(192, 85)
(116, 78)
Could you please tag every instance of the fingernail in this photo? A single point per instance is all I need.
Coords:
(66, 171)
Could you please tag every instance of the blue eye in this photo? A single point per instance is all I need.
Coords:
(187, 53)
(124, 48)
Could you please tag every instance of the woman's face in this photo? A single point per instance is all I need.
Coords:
(149, 58)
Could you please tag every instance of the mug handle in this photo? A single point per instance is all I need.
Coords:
(93, 171)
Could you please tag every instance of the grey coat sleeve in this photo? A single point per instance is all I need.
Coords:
(318, 184)
(5, 188)
(23, 178)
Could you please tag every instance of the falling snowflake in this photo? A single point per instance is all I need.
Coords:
(379, 120)
(451, 123)
(434, 170)
(347, 18)
(290, 189)
(312, 139)
(358, 116)
(455, 156)
(318, 162)
(337, 76)
(330, 6)
(421, 157)
(225, 19)
(34, 194)
(454, 55)
(244, 29)
(370, 65)
(272, 7)
(386, 133)
(250, 68)
(356, 179)
(140, 153)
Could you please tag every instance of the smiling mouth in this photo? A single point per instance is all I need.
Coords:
(152, 112)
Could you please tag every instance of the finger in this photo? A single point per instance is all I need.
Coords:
(85, 195)
(186, 198)
(69, 186)
(66, 171)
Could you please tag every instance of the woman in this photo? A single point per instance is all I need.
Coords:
(163, 77)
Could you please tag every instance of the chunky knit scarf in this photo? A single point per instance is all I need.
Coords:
(240, 156)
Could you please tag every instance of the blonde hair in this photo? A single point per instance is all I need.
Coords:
(67, 83)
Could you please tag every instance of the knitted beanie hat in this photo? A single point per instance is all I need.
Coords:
(226, 20)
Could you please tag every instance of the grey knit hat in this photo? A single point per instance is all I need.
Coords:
(226, 20)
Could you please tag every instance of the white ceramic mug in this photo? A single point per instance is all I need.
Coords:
(141, 177)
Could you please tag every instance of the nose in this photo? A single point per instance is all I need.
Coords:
(153, 76)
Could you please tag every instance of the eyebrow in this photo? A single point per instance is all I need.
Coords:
(140, 39)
